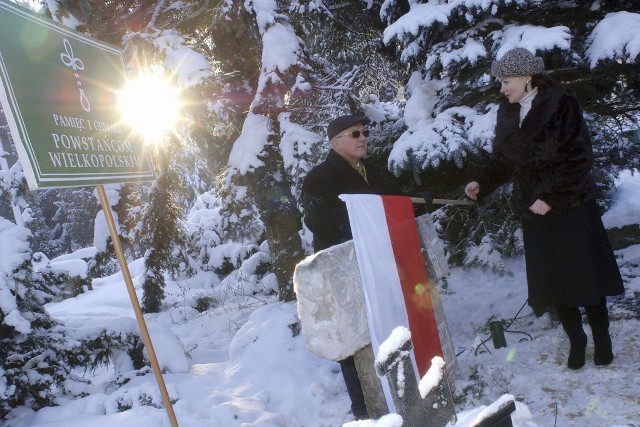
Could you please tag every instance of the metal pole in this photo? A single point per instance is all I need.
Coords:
(136, 305)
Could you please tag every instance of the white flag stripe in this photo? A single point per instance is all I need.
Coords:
(378, 270)
(377, 264)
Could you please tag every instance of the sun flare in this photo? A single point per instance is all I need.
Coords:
(150, 104)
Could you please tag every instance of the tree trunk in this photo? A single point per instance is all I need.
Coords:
(282, 220)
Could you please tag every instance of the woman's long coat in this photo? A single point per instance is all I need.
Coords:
(549, 157)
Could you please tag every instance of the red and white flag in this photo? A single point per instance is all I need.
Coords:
(393, 273)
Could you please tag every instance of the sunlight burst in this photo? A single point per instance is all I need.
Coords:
(151, 104)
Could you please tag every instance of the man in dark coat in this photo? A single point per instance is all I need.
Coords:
(542, 145)
(343, 172)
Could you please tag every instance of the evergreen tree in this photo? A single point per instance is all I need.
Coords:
(307, 92)
(32, 347)
(129, 213)
(162, 230)
(449, 47)
(36, 355)
(73, 218)
(42, 226)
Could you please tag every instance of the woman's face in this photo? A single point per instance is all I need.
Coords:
(514, 87)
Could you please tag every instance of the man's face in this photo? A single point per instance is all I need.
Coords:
(352, 149)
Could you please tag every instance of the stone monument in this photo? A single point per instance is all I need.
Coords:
(333, 313)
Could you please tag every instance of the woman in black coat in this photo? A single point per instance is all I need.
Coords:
(542, 145)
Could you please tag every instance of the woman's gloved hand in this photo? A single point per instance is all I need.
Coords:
(426, 195)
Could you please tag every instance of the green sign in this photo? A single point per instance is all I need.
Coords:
(59, 93)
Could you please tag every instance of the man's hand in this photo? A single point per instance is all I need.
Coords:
(472, 190)
(539, 207)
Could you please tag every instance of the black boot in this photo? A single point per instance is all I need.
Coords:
(598, 316)
(571, 320)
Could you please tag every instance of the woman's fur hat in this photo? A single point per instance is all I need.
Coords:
(517, 62)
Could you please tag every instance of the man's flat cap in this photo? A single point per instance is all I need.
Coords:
(341, 123)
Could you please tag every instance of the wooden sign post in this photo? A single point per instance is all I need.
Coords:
(136, 305)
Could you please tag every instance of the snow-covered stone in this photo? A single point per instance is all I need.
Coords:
(331, 302)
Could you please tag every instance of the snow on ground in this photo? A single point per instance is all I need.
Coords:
(243, 365)
(246, 367)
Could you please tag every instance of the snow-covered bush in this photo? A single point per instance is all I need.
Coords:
(243, 265)
(37, 356)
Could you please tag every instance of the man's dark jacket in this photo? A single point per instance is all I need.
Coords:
(324, 213)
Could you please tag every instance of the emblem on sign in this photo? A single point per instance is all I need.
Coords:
(76, 64)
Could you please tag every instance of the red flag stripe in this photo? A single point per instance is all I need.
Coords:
(413, 279)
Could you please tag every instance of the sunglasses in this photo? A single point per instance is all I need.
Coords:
(355, 134)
